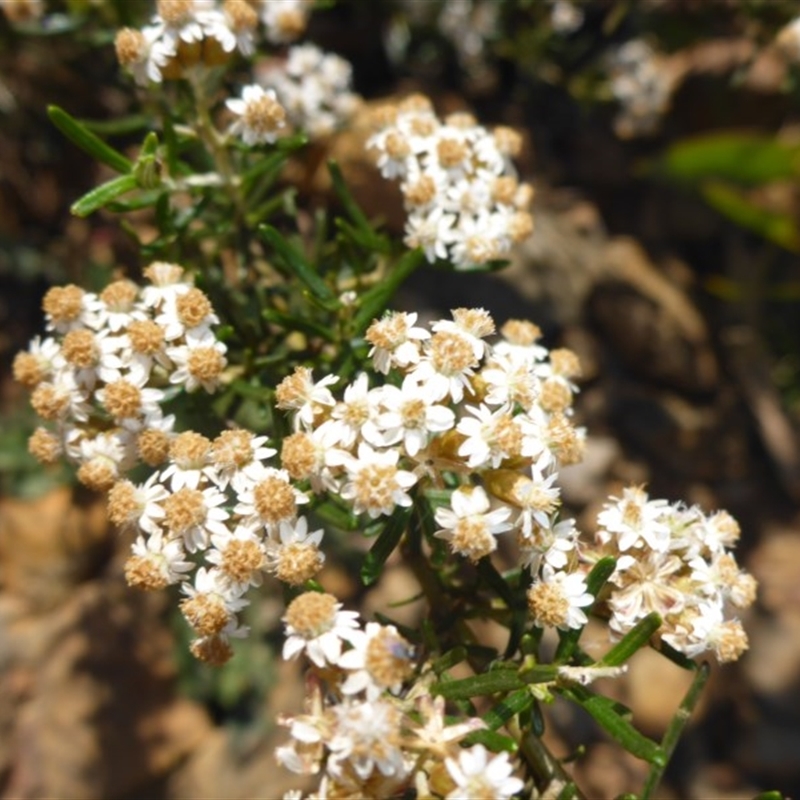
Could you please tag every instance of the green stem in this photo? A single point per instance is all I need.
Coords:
(675, 730)
(542, 765)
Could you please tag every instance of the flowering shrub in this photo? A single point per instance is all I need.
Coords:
(326, 416)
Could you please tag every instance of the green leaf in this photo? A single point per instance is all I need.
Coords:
(506, 709)
(118, 125)
(675, 729)
(449, 659)
(368, 236)
(103, 194)
(606, 712)
(375, 300)
(384, 545)
(775, 226)
(87, 141)
(296, 264)
(746, 159)
(137, 203)
(269, 166)
(496, 742)
(498, 680)
(633, 641)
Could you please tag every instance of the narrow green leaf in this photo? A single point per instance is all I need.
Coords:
(372, 239)
(117, 126)
(747, 159)
(376, 299)
(384, 545)
(606, 712)
(675, 729)
(496, 742)
(779, 227)
(336, 516)
(636, 638)
(366, 241)
(294, 261)
(449, 659)
(137, 203)
(539, 673)
(102, 195)
(79, 134)
(269, 165)
(506, 709)
(498, 680)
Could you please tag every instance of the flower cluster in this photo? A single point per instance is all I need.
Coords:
(494, 417)
(643, 86)
(110, 362)
(215, 519)
(677, 562)
(461, 194)
(367, 729)
(184, 33)
(315, 89)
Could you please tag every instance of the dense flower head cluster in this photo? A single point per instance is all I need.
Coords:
(367, 735)
(109, 362)
(460, 190)
(314, 87)
(676, 561)
(185, 33)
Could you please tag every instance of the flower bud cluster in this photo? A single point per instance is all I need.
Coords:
(460, 190)
(186, 33)
(109, 363)
(368, 730)
(676, 561)
(315, 89)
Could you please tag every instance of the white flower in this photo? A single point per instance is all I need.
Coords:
(408, 417)
(300, 394)
(316, 625)
(270, 501)
(477, 775)
(166, 556)
(634, 520)
(491, 437)
(366, 737)
(558, 598)
(375, 484)
(380, 660)
(355, 415)
(395, 340)
(469, 526)
(138, 506)
(647, 583)
(446, 368)
(260, 115)
(167, 283)
(551, 544)
(198, 363)
(432, 232)
(194, 515)
(238, 555)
